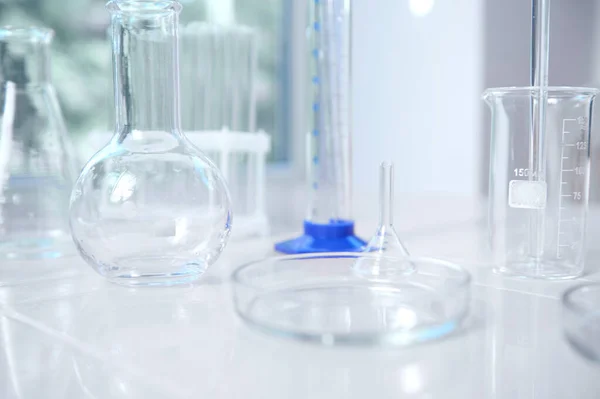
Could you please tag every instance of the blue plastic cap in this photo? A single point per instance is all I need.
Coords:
(335, 236)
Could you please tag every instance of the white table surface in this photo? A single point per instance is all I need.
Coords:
(66, 333)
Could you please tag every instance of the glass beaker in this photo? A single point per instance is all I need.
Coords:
(537, 212)
(37, 165)
(149, 208)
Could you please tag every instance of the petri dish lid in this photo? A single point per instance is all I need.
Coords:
(581, 319)
(320, 298)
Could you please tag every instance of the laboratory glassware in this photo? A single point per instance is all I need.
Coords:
(329, 226)
(385, 241)
(539, 58)
(37, 165)
(581, 319)
(219, 63)
(537, 226)
(318, 298)
(540, 51)
(149, 208)
(242, 159)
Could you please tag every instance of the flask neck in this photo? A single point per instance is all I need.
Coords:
(25, 55)
(146, 67)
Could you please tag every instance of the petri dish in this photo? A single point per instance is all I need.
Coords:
(581, 319)
(320, 298)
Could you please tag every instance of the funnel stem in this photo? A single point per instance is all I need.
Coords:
(386, 193)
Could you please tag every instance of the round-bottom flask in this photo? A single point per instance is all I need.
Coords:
(149, 208)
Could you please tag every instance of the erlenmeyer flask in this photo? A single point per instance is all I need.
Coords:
(149, 208)
(37, 168)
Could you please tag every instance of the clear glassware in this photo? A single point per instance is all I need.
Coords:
(581, 319)
(538, 219)
(385, 241)
(318, 298)
(37, 166)
(328, 226)
(220, 64)
(149, 208)
(331, 139)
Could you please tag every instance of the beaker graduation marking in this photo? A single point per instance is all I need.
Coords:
(570, 175)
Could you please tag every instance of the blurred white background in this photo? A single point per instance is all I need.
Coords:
(417, 84)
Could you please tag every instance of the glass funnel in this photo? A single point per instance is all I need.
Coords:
(37, 169)
(149, 208)
(539, 184)
(385, 241)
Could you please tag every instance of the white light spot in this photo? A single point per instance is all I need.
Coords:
(123, 387)
(123, 188)
(411, 379)
(420, 8)
(181, 229)
(137, 134)
(403, 318)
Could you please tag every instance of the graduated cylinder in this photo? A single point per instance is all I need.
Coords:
(330, 141)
